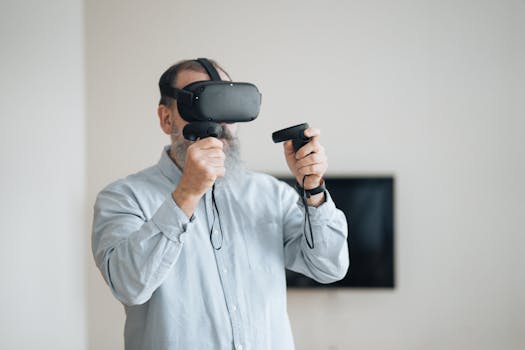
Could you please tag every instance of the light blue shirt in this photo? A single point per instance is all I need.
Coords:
(178, 291)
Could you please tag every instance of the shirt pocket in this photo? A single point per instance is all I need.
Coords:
(264, 246)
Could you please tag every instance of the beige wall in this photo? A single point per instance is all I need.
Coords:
(43, 225)
(427, 91)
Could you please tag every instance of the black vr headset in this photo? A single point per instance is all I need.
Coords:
(206, 103)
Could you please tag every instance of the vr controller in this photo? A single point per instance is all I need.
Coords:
(194, 131)
(294, 133)
(206, 103)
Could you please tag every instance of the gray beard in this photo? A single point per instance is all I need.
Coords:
(233, 164)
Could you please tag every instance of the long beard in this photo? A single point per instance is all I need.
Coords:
(232, 162)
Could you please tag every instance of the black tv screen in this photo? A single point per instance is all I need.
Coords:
(368, 203)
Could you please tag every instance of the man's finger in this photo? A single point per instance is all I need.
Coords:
(314, 169)
(312, 132)
(288, 148)
(209, 142)
(215, 153)
(311, 147)
(312, 158)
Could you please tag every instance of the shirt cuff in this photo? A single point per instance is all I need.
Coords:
(324, 211)
(171, 220)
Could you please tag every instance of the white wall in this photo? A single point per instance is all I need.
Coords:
(427, 91)
(42, 179)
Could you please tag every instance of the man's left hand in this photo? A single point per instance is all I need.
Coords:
(310, 161)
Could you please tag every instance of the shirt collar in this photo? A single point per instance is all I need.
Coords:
(168, 167)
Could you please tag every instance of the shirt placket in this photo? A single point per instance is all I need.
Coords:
(226, 272)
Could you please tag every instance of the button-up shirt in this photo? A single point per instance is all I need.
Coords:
(178, 290)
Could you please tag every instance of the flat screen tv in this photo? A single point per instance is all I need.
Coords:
(368, 203)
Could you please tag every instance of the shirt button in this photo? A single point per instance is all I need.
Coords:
(239, 347)
(225, 270)
(234, 308)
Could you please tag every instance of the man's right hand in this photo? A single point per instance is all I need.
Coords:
(204, 164)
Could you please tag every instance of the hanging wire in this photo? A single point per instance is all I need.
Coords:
(215, 209)
(304, 199)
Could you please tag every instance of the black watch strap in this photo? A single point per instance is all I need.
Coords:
(311, 192)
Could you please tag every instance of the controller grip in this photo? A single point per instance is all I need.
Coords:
(294, 133)
(199, 130)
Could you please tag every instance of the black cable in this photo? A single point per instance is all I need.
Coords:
(307, 217)
(215, 208)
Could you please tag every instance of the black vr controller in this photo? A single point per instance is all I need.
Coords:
(199, 130)
(206, 103)
(294, 133)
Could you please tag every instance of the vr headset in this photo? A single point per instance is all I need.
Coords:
(206, 103)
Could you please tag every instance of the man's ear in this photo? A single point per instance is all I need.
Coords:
(165, 119)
